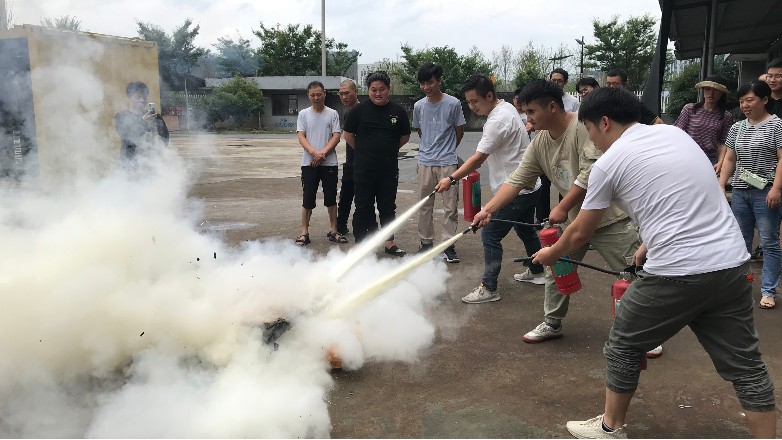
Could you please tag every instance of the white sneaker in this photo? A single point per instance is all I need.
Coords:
(655, 352)
(543, 332)
(593, 428)
(528, 277)
(481, 295)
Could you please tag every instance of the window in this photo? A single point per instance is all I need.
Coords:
(285, 105)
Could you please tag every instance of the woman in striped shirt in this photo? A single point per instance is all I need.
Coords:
(755, 153)
(708, 122)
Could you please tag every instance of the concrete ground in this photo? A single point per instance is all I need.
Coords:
(479, 379)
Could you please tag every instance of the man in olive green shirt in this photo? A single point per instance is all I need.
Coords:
(563, 152)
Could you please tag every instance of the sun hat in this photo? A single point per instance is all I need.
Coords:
(715, 82)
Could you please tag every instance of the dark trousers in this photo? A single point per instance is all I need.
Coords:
(346, 193)
(543, 208)
(368, 190)
(520, 209)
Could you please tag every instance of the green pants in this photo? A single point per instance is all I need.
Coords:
(616, 243)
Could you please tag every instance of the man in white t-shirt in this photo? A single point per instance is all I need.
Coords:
(696, 271)
(319, 133)
(559, 76)
(502, 146)
(439, 120)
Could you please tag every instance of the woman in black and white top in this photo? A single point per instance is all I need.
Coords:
(755, 154)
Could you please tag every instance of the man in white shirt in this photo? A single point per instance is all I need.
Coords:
(696, 271)
(319, 133)
(502, 146)
(559, 76)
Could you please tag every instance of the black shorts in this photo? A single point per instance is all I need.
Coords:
(311, 176)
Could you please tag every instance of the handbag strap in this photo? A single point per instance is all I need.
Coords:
(742, 128)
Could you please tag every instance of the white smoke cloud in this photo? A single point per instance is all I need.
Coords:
(121, 319)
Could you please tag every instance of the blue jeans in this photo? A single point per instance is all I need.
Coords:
(750, 208)
(521, 209)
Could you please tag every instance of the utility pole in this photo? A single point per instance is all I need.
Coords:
(581, 43)
(323, 37)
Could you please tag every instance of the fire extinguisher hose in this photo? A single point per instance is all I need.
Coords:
(532, 225)
(628, 269)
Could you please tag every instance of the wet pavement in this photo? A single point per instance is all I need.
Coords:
(478, 379)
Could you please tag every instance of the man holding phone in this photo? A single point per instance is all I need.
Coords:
(139, 127)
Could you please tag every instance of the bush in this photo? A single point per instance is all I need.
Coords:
(238, 99)
(683, 89)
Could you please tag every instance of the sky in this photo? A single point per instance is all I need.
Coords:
(377, 30)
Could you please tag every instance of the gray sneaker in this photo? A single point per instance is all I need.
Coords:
(593, 428)
(481, 295)
(543, 332)
(528, 277)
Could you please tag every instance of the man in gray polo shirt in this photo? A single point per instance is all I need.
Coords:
(439, 120)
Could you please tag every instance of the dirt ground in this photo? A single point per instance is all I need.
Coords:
(479, 379)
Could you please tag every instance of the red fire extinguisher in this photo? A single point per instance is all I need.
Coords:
(617, 290)
(565, 274)
(471, 195)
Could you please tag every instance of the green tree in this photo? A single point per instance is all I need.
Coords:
(456, 68)
(236, 57)
(66, 22)
(683, 89)
(531, 63)
(238, 98)
(629, 45)
(296, 50)
(177, 54)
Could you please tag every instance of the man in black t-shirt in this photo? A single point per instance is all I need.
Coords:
(618, 78)
(348, 95)
(377, 128)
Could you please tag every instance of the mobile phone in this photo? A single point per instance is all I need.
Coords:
(151, 107)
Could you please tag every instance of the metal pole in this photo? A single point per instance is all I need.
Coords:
(712, 36)
(582, 56)
(653, 88)
(323, 37)
(187, 105)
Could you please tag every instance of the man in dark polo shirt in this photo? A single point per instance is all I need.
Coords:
(348, 95)
(377, 128)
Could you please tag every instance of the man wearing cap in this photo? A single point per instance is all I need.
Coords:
(708, 122)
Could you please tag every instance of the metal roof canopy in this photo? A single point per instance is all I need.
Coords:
(742, 26)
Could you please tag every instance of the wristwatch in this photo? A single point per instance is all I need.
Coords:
(453, 181)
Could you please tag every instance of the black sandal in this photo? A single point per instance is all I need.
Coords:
(395, 251)
(303, 240)
(336, 237)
